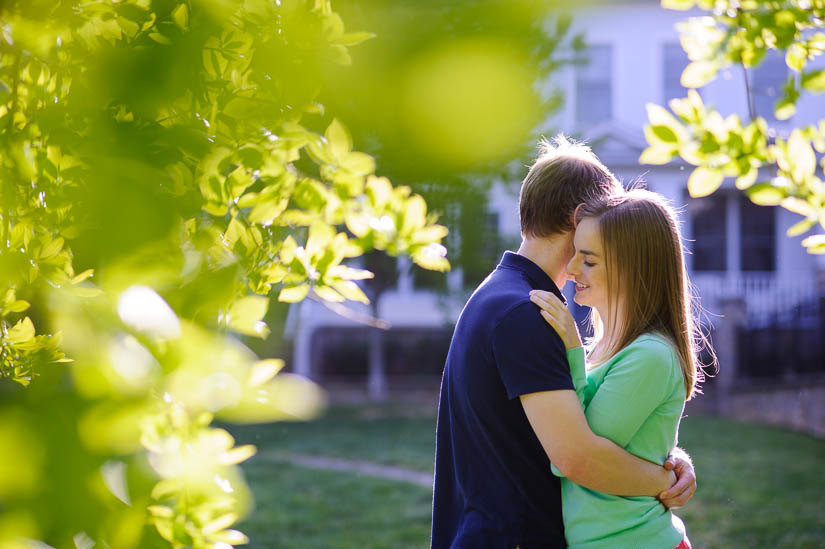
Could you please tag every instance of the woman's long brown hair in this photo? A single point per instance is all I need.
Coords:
(646, 267)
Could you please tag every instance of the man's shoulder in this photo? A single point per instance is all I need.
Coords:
(502, 286)
(501, 299)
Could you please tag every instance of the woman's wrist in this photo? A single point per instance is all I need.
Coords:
(573, 343)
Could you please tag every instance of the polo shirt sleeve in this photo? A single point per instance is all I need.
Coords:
(529, 354)
(638, 382)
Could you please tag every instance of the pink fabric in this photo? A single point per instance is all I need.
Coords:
(684, 545)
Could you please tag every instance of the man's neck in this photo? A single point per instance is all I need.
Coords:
(549, 253)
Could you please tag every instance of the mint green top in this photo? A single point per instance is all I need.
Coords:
(636, 400)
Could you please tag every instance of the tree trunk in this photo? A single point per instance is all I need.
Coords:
(377, 377)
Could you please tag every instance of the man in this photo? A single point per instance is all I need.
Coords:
(508, 407)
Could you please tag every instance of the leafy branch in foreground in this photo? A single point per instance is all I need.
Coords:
(743, 33)
(177, 151)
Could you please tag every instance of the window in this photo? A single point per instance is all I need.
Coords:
(674, 61)
(481, 244)
(708, 217)
(753, 244)
(593, 87)
(766, 84)
(757, 227)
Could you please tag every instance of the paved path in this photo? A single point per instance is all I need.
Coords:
(361, 467)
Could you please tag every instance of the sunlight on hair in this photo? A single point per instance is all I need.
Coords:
(561, 145)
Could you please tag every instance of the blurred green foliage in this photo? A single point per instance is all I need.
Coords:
(451, 97)
(176, 151)
(742, 32)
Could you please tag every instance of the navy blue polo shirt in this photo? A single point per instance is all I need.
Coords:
(493, 483)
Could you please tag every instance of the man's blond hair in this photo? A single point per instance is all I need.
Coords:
(565, 174)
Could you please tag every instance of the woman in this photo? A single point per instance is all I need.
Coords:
(642, 361)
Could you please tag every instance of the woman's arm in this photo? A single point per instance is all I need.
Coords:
(606, 406)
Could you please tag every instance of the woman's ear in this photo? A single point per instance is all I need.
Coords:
(576, 214)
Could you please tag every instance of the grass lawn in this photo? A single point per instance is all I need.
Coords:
(758, 486)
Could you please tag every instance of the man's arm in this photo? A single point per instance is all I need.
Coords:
(585, 458)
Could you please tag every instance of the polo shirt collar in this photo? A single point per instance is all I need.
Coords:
(512, 260)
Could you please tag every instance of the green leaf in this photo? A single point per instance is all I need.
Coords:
(246, 314)
(430, 234)
(681, 5)
(656, 155)
(230, 537)
(159, 38)
(180, 16)
(664, 134)
(704, 181)
(745, 181)
(699, 73)
(348, 273)
(293, 294)
(799, 206)
(801, 156)
(328, 294)
(238, 181)
(765, 194)
(237, 455)
(379, 190)
(431, 257)
(160, 511)
(795, 57)
(265, 212)
(211, 188)
(16, 307)
(358, 163)
(414, 215)
(338, 139)
(350, 290)
(21, 332)
(352, 38)
(215, 208)
(815, 244)
(358, 223)
(784, 109)
(801, 227)
(264, 370)
(52, 248)
(814, 81)
(309, 195)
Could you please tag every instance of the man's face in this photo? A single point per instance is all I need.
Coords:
(569, 253)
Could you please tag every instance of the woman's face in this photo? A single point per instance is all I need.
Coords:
(587, 268)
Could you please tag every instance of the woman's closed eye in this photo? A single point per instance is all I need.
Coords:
(588, 264)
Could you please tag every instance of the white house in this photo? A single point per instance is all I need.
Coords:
(738, 250)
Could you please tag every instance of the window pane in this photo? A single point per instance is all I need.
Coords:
(766, 84)
(675, 60)
(709, 217)
(758, 226)
(593, 87)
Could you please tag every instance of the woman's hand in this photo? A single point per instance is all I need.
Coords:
(558, 316)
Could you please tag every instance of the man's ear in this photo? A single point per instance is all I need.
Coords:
(576, 214)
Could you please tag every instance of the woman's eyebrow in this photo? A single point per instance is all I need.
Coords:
(588, 252)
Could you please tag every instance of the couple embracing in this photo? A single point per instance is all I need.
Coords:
(542, 441)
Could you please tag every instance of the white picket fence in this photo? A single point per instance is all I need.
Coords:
(767, 297)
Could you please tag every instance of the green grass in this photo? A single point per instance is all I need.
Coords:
(298, 507)
(390, 435)
(759, 487)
